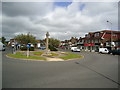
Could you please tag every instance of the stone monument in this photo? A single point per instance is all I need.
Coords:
(47, 51)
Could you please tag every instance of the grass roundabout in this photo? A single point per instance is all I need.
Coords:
(38, 55)
(20, 55)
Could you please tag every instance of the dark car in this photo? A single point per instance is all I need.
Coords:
(3, 47)
(114, 52)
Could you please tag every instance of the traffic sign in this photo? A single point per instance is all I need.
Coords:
(28, 45)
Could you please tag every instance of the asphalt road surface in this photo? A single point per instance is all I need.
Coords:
(0, 69)
(93, 71)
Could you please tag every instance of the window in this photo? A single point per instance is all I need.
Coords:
(114, 34)
(87, 35)
(82, 40)
(97, 34)
(92, 41)
(85, 41)
(96, 41)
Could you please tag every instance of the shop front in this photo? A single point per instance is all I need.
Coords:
(89, 46)
(92, 47)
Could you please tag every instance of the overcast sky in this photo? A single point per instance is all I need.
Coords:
(62, 20)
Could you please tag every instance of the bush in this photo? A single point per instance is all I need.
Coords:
(31, 49)
(25, 48)
(52, 48)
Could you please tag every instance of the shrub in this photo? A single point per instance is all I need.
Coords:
(25, 48)
(52, 48)
(31, 49)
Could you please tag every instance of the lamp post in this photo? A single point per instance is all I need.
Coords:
(47, 35)
(66, 45)
(111, 33)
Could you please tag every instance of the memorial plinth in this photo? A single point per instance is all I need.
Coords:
(47, 51)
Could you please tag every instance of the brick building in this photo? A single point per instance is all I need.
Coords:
(94, 40)
(73, 40)
(69, 43)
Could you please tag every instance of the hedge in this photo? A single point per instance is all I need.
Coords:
(25, 48)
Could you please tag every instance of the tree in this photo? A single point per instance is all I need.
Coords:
(3, 40)
(54, 42)
(25, 39)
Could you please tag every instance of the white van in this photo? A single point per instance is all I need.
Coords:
(103, 50)
(75, 49)
(2, 47)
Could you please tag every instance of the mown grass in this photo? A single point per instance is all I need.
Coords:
(37, 53)
(21, 56)
(70, 56)
(52, 54)
(66, 56)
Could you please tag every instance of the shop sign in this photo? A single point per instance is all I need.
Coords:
(89, 44)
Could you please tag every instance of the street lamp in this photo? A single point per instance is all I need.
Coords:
(111, 33)
(68, 45)
(47, 40)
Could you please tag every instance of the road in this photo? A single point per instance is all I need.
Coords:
(0, 69)
(93, 71)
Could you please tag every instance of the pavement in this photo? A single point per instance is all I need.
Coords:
(93, 71)
(54, 59)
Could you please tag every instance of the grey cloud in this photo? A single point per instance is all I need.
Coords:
(26, 8)
(17, 18)
(93, 8)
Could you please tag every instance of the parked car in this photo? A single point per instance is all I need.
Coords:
(103, 50)
(42, 48)
(114, 52)
(2, 47)
(73, 49)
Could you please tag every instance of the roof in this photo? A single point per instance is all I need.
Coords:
(106, 31)
(106, 34)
